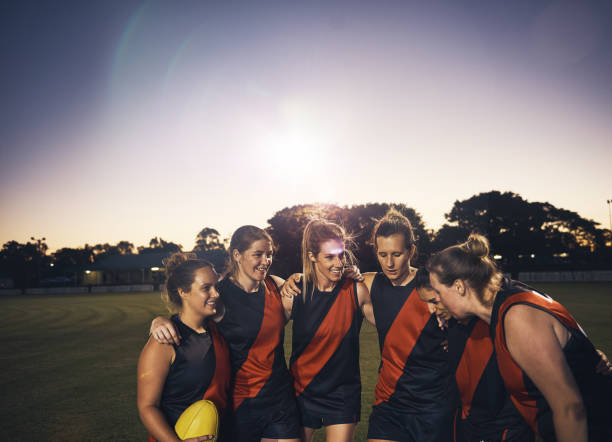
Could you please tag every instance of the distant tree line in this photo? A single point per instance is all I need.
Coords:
(524, 236)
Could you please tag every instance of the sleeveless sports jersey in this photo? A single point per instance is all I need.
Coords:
(486, 412)
(580, 355)
(414, 371)
(325, 357)
(200, 370)
(253, 327)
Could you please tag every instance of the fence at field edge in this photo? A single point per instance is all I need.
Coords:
(134, 288)
(570, 276)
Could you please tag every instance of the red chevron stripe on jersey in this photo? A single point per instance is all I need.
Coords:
(327, 338)
(219, 385)
(478, 350)
(256, 370)
(512, 374)
(399, 342)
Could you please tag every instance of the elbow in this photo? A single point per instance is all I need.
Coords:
(574, 411)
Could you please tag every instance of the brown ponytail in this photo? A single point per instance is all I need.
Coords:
(470, 262)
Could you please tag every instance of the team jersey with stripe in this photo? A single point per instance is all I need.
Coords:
(200, 370)
(253, 326)
(414, 373)
(325, 356)
(579, 353)
(486, 412)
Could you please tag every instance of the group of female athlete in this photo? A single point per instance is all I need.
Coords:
(510, 364)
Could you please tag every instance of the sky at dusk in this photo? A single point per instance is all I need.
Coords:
(125, 120)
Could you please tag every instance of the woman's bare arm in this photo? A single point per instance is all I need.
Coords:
(535, 339)
(286, 300)
(153, 367)
(365, 302)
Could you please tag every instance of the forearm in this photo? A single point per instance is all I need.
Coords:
(570, 423)
(155, 422)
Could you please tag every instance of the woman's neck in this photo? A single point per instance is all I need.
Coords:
(325, 285)
(409, 277)
(247, 284)
(483, 312)
(193, 320)
(483, 306)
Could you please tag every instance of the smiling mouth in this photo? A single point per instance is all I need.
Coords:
(261, 269)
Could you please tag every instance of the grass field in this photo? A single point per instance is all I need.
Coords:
(69, 361)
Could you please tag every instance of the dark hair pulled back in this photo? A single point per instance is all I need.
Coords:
(180, 273)
(468, 261)
(391, 223)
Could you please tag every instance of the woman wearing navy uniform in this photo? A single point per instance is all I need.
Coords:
(327, 317)
(171, 378)
(253, 324)
(412, 394)
(547, 363)
(485, 412)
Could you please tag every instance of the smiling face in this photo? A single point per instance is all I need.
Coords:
(202, 296)
(254, 262)
(329, 262)
(452, 297)
(394, 257)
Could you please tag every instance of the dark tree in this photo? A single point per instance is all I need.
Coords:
(159, 245)
(106, 249)
(525, 236)
(25, 263)
(208, 239)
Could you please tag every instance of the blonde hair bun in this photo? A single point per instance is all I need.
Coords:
(477, 245)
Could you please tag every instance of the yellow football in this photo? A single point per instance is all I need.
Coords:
(199, 419)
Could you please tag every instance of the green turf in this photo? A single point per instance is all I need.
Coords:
(69, 361)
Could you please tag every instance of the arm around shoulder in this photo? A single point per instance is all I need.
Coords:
(368, 279)
(286, 300)
(365, 302)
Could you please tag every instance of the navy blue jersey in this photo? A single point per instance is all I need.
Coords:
(253, 326)
(414, 373)
(414, 400)
(200, 370)
(580, 355)
(325, 357)
(486, 412)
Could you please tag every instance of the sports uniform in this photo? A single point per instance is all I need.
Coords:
(414, 401)
(253, 326)
(581, 357)
(486, 413)
(200, 370)
(325, 356)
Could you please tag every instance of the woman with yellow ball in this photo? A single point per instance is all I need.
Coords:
(171, 377)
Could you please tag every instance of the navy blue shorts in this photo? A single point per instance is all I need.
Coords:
(252, 421)
(389, 423)
(325, 420)
(331, 409)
